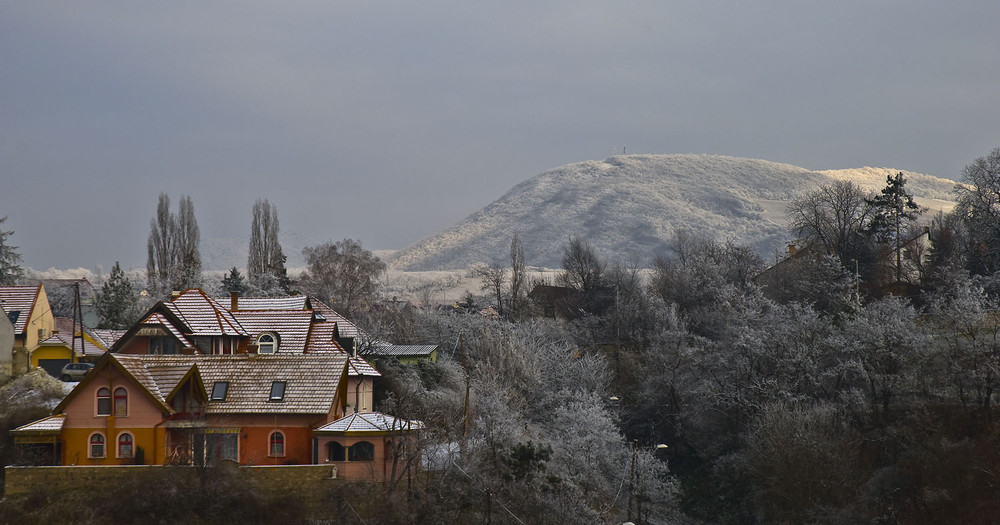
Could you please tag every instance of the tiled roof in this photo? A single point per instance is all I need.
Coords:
(344, 326)
(391, 350)
(369, 422)
(18, 299)
(292, 326)
(107, 336)
(293, 302)
(160, 319)
(48, 424)
(204, 315)
(311, 381)
(65, 339)
(357, 366)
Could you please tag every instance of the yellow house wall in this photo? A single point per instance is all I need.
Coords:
(143, 421)
(50, 352)
(41, 319)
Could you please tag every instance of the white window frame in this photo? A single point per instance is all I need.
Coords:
(272, 344)
(90, 446)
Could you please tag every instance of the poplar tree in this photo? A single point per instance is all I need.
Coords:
(172, 256)
(265, 258)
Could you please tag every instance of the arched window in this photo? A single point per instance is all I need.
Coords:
(267, 344)
(96, 446)
(121, 402)
(103, 402)
(125, 445)
(361, 451)
(335, 452)
(277, 444)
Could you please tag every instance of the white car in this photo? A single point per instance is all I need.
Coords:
(75, 371)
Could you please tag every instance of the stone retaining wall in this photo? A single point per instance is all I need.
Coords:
(304, 480)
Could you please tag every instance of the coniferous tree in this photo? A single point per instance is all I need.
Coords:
(234, 282)
(894, 208)
(116, 304)
(10, 260)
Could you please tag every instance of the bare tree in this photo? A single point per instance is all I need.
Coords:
(343, 274)
(979, 207)
(492, 279)
(834, 217)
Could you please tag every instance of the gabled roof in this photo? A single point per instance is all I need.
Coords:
(19, 299)
(140, 377)
(369, 422)
(311, 381)
(107, 336)
(203, 315)
(65, 339)
(292, 326)
(158, 319)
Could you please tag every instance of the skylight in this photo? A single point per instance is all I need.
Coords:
(277, 391)
(219, 390)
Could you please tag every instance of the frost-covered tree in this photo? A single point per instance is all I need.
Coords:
(173, 260)
(492, 279)
(343, 273)
(265, 260)
(11, 271)
(117, 305)
(518, 279)
(834, 217)
(979, 208)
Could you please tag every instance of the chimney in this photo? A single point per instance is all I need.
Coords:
(234, 301)
(791, 250)
(175, 294)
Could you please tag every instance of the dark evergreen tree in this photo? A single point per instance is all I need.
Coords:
(234, 282)
(894, 209)
(10, 260)
(117, 302)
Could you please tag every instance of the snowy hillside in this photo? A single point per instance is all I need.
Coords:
(631, 205)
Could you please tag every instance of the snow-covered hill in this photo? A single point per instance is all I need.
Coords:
(630, 205)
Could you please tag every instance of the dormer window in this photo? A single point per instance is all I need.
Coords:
(277, 391)
(219, 390)
(267, 344)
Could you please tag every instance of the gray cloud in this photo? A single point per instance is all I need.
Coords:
(391, 121)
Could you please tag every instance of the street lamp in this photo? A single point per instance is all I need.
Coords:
(635, 480)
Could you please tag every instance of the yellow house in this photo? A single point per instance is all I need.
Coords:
(27, 308)
(61, 348)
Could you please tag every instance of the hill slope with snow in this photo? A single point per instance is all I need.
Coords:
(631, 204)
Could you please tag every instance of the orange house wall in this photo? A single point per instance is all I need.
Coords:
(82, 420)
(255, 432)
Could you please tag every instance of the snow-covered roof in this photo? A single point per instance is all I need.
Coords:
(51, 424)
(369, 422)
(18, 299)
(392, 350)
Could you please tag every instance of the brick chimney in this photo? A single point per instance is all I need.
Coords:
(234, 301)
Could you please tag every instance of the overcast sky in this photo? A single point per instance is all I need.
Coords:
(390, 121)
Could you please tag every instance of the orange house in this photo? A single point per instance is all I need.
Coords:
(152, 409)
